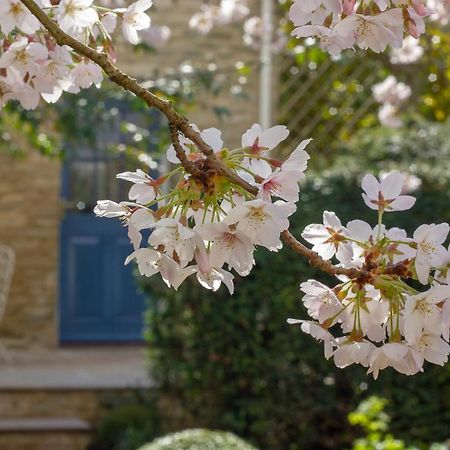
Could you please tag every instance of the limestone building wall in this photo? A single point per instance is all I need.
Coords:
(223, 46)
(30, 206)
(29, 221)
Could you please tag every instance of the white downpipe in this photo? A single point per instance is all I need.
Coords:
(265, 85)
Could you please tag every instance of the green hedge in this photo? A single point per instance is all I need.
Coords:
(233, 363)
(199, 440)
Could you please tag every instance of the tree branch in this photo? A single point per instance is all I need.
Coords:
(176, 123)
(118, 77)
(181, 154)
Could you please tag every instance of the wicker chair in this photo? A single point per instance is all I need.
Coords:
(7, 261)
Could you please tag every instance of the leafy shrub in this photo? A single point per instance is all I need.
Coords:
(130, 422)
(199, 440)
(233, 363)
(372, 418)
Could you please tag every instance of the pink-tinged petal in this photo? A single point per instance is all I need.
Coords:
(134, 235)
(315, 233)
(273, 136)
(87, 17)
(438, 293)
(250, 136)
(347, 26)
(142, 193)
(392, 185)
(334, 6)
(171, 155)
(212, 136)
(359, 230)
(422, 232)
(369, 202)
(298, 159)
(437, 351)
(135, 177)
(439, 256)
(143, 5)
(310, 30)
(314, 287)
(227, 279)
(294, 321)
(202, 258)
(130, 33)
(401, 203)
(445, 321)
(142, 218)
(344, 253)
(413, 327)
(326, 251)
(440, 232)
(422, 269)
(395, 351)
(370, 186)
(260, 167)
(331, 220)
(299, 8)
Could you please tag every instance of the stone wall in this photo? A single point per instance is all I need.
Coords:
(223, 46)
(30, 209)
(29, 221)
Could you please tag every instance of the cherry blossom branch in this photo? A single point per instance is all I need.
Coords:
(118, 77)
(176, 123)
(315, 260)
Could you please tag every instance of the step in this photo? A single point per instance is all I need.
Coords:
(43, 424)
(75, 368)
(44, 441)
(42, 403)
(44, 433)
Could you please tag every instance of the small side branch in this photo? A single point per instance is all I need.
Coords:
(181, 154)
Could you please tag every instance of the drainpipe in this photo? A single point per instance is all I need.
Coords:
(265, 85)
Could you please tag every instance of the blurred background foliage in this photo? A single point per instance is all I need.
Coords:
(371, 417)
(330, 98)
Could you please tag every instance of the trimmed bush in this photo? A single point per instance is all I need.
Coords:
(199, 440)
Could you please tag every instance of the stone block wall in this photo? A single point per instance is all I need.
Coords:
(29, 221)
(223, 46)
(30, 209)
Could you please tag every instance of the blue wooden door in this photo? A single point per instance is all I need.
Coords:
(100, 300)
(99, 296)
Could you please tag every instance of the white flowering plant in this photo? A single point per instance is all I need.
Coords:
(216, 205)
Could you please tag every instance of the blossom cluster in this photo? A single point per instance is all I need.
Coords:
(344, 24)
(224, 13)
(207, 225)
(34, 66)
(392, 94)
(228, 12)
(410, 53)
(440, 11)
(381, 318)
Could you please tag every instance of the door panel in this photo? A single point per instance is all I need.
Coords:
(99, 296)
(85, 277)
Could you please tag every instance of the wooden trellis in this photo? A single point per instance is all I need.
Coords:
(327, 99)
